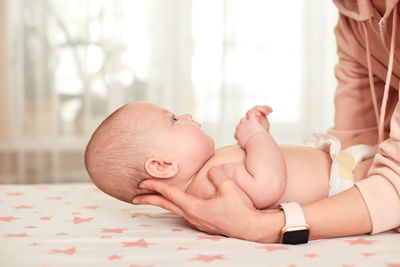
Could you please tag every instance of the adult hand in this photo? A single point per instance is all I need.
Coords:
(229, 212)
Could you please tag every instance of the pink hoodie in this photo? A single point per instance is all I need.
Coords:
(367, 100)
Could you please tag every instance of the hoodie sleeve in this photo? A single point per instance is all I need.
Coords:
(381, 190)
(355, 122)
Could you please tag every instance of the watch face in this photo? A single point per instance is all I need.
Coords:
(296, 237)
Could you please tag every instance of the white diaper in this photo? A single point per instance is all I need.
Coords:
(343, 161)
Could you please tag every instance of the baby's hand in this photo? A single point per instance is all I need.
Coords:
(247, 127)
(261, 114)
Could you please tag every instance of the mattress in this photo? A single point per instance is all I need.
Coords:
(78, 225)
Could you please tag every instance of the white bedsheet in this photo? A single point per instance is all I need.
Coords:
(78, 225)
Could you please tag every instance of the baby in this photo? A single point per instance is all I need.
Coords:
(142, 140)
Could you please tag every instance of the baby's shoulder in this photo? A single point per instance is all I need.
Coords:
(228, 154)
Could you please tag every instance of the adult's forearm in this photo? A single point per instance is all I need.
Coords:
(344, 214)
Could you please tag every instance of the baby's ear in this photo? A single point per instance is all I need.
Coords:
(159, 168)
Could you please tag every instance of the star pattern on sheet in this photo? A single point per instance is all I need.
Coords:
(208, 258)
(310, 255)
(369, 254)
(23, 207)
(360, 241)
(17, 235)
(140, 214)
(114, 257)
(8, 218)
(273, 248)
(120, 240)
(213, 238)
(69, 251)
(114, 230)
(91, 207)
(140, 243)
(78, 220)
(61, 234)
(15, 194)
(55, 198)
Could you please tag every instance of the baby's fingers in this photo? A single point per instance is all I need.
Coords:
(264, 110)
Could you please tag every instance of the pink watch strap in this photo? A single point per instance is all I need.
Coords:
(293, 214)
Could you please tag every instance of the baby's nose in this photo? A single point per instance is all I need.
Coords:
(189, 118)
(186, 117)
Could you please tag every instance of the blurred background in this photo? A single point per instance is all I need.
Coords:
(65, 65)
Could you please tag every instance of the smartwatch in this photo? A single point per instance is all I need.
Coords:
(296, 229)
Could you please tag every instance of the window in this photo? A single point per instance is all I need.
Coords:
(71, 63)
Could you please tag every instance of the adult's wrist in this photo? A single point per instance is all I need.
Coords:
(267, 226)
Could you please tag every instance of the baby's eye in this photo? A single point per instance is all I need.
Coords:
(174, 118)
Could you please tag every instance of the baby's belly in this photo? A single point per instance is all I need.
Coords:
(308, 172)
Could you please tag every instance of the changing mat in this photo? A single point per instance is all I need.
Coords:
(78, 225)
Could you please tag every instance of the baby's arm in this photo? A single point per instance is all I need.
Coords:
(264, 161)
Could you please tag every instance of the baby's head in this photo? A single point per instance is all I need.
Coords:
(141, 140)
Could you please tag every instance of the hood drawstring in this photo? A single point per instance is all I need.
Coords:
(380, 116)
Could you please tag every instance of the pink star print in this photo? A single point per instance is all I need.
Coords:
(207, 258)
(177, 230)
(69, 251)
(115, 230)
(360, 241)
(14, 194)
(61, 234)
(273, 248)
(8, 218)
(81, 220)
(105, 236)
(16, 235)
(30, 227)
(91, 207)
(139, 243)
(137, 214)
(368, 254)
(54, 198)
(114, 257)
(34, 244)
(45, 218)
(23, 207)
(214, 238)
(310, 255)
(181, 248)
(392, 264)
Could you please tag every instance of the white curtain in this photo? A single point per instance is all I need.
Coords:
(71, 63)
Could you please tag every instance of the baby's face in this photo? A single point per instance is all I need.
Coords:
(177, 137)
